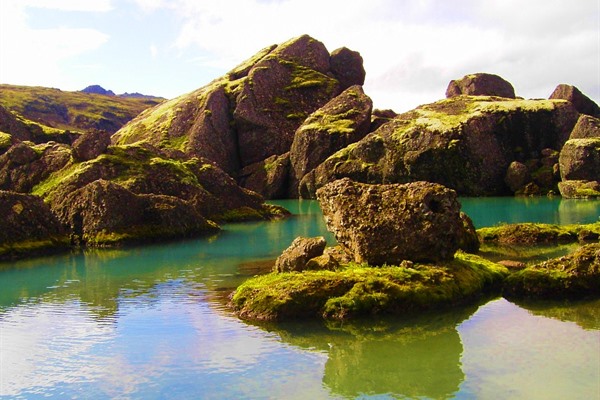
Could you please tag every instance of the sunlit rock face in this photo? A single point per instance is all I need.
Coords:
(386, 224)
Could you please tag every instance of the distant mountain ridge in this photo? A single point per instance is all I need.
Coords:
(97, 89)
(92, 109)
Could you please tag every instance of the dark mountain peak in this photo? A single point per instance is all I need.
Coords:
(97, 89)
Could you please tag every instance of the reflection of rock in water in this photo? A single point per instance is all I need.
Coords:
(577, 211)
(419, 357)
(585, 313)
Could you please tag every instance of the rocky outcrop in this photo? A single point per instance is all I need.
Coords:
(465, 143)
(580, 159)
(574, 189)
(251, 113)
(580, 101)
(25, 165)
(342, 121)
(105, 213)
(586, 127)
(575, 275)
(269, 177)
(13, 126)
(387, 224)
(28, 226)
(480, 84)
(297, 255)
(347, 67)
(90, 145)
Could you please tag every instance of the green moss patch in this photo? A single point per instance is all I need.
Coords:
(530, 233)
(573, 276)
(358, 290)
(28, 248)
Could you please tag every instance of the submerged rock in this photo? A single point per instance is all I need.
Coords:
(28, 226)
(387, 224)
(302, 249)
(480, 84)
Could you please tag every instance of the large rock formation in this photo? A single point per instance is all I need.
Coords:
(480, 84)
(25, 165)
(27, 226)
(580, 101)
(252, 112)
(268, 177)
(466, 143)
(90, 145)
(342, 121)
(105, 213)
(387, 224)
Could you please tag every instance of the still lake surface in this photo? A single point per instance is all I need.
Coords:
(151, 322)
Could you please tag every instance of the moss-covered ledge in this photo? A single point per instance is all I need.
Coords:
(531, 233)
(359, 290)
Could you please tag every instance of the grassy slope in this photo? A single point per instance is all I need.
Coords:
(74, 111)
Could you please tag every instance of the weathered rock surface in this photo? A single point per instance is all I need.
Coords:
(25, 165)
(573, 276)
(517, 176)
(347, 67)
(28, 226)
(587, 127)
(11, 125)
(268, 177)
(297, 255)
(580, 101)
(342, 121)
(90, 145)
(580, 160)
(252, 112)
(465, 143)
(579, 189)
(480, 84)
(381, 224)
(105, 213)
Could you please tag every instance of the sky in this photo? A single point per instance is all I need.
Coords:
(411, 49)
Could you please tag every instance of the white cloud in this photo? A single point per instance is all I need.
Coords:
(68, 5)
(33, 56)
(412, 50)
(153, 51)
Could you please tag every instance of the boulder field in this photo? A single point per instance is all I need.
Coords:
(283, 124)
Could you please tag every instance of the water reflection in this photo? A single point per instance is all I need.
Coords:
(585, 313)
(416, 357)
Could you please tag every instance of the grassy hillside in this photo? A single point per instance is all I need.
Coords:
(74, 111)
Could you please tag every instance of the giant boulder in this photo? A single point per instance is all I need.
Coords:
(466, 143)
(386, 224)
(480, 84)
(582, 103)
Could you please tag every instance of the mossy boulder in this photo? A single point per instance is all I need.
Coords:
(347, 67)
(268, 177)
(465, 143)
(10, 124)
(480, 84)
(580, 159)
(573, 276)
(90, 145)
(386, 224)
(298, 254)
(578, 189)
(531, 233)
(28, 226)
(587, 127)
(342, 121)
(25, 165)
(358, 290)
(103, 213)
(580, 101)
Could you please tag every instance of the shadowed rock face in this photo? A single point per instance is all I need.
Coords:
(90, 145)
(382, 224)
(581, 102)
(580, 160)
(481, 84)
(297, 255)
(27, 225)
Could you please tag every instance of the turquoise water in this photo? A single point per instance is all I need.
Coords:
(151, 322)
